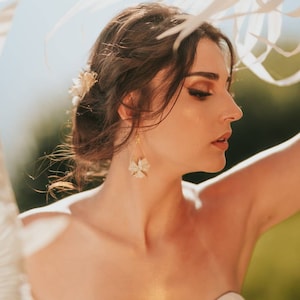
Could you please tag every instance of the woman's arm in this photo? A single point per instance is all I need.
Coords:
(265, 188)
(275, 174)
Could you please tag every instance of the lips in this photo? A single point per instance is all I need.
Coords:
(222, 141)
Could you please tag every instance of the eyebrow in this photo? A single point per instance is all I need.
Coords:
(208, 75)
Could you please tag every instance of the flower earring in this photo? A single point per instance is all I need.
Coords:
(139, 165)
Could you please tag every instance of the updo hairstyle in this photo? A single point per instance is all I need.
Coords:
(126, 56)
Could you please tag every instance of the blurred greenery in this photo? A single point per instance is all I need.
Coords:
(274, 272)
(31, 184)
(271, 115)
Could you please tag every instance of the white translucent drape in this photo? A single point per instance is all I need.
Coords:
(12, 278)
(17, 242)
(248, 17)
(7, 12)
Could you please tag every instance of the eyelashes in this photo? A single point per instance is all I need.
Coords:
(201, 95)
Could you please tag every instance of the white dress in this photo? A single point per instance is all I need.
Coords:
(231, 296)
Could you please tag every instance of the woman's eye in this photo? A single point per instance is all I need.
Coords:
(199, 94)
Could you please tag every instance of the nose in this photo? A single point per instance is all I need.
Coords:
(232, 111)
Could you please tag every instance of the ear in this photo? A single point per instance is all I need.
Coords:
(125, 108)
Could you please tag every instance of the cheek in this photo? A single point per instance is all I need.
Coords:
(194, 120)
(179, 124)
(181, 131)
(184, 128)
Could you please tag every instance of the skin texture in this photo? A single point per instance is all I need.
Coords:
(183, 140)
(161, 238)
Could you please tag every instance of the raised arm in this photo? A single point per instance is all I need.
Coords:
(275, 178)
(264, 188)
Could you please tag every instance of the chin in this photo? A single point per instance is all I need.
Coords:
(215, 168)
(210, 169)
(209, 165)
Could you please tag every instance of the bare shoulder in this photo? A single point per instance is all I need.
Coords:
(63, 207)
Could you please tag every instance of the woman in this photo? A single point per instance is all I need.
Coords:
(157, 114)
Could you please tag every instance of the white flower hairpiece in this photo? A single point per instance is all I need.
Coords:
(81, 85)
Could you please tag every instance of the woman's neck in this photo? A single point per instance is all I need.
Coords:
(140, 209)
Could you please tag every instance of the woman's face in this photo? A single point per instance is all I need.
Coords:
(194, 135)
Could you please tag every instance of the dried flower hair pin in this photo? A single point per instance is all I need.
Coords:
(82, 85)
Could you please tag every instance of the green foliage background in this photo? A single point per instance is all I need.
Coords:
(271, 115)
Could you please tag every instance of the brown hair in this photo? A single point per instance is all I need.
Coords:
(126, 56)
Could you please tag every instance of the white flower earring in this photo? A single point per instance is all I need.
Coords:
(138, 165)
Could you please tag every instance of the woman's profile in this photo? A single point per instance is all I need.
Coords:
(152, 114)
